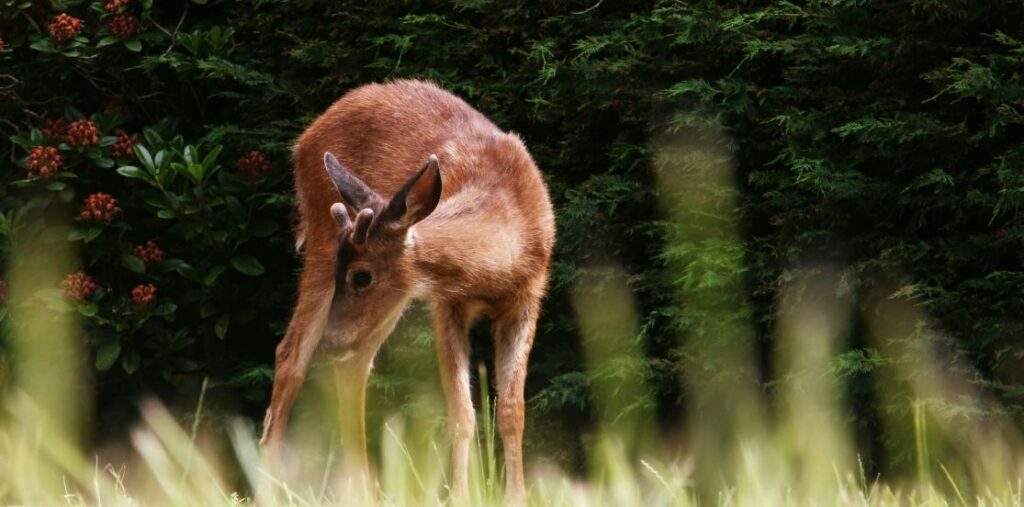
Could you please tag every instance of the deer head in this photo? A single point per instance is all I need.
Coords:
(372, 276)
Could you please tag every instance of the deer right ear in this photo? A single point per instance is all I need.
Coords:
(418, 197)
(352, 189)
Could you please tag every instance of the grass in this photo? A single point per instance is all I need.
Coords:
(177, 472)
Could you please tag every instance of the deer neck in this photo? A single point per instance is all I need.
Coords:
(428, 263)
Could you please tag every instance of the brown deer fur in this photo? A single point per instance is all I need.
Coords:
(481, 248)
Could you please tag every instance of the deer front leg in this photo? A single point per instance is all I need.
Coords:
(514, 338)
(295, 353)
(452, 343)
(350, 376)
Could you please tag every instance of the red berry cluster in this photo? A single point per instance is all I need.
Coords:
(79, 287)
(149, 253)
(143, 294)
(54, 128)
(44, 162)
(64, 28)
(253, 165)
(123, 26)
(125, 145)
(115, 5)
(1, 44)
(82, 134)
(100, 208)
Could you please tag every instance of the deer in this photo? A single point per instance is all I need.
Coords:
(405, 192)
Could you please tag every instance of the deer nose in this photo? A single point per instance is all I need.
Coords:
(337, 343)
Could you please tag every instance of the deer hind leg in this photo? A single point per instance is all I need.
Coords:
(295, 351)
(451, 329)
(514, 337)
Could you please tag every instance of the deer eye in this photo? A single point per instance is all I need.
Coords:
(361, 279)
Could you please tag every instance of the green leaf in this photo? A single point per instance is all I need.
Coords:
(43, 45)
(73, 113)
(164, 309)
(133, 263)
(133, 45)
(145, 157)
(166, 214)
(185, 364)
(196, 171)
(247, 265)
(105, 163)
(130, 361)
(213, 274)
(152, 137)
(88, 310)
(134, 172)
(22, 141)
(158, 160)
(261, 228)
(221, 328)
(107, 355)
(86, 235)
(186, 270)
(211, 157)
(157, 202)
(191, 155)
(92, 233)
(106, 41)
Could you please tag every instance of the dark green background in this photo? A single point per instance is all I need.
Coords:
(883, 138)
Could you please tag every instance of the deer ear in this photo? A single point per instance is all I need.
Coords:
(352, 189)
(418, 197)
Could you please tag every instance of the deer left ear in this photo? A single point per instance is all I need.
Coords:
(418, 197)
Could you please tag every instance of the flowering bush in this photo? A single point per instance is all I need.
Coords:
(100, 208)
(123, 26)
(125, 146)
(54, 129)
(82, 134)
(64, 28)
(253, 165)
(79, 287)
(143, 294)
(149, 253)
(115, 5)
(44, 162)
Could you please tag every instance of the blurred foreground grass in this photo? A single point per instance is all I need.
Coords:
(738, 445)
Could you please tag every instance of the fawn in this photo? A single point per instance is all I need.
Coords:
(469, 227)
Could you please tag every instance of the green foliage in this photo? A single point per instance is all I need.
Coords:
(884, 138)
